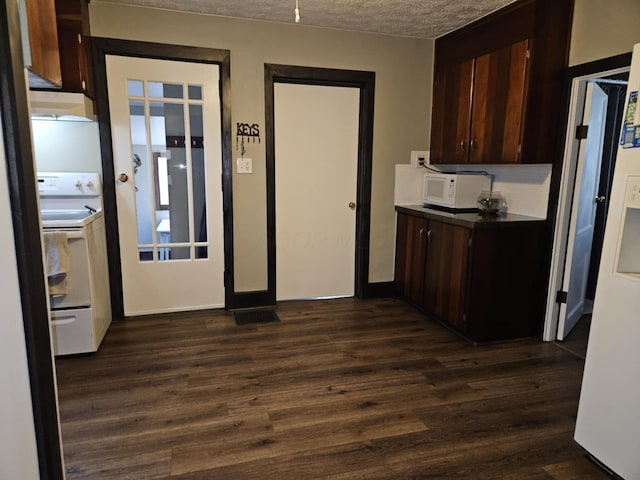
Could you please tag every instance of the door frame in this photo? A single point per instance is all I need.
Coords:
(23, 191)
(159, 51)
(590, 149)
(563, 176)
(365, 82)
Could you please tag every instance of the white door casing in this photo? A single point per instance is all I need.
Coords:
(583, 214)
(316, 160)
(185, 273)
(561, 224)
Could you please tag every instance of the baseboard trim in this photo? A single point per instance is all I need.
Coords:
(380, 289)
(263, 299)
(257, 299)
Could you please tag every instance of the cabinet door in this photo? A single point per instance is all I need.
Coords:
(507, 283)
(43, 50)
(410, 256)
(451, 114)
(499, 89)
(74, 43)
(446, 272)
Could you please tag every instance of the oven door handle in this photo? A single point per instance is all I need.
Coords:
(63, 320)
(74, 234)
(71, 234)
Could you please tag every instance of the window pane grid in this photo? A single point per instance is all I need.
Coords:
(159, 103)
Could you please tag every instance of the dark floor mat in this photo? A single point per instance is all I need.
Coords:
(250, 317)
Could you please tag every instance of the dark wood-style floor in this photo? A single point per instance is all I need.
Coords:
(339, 389)
(578, 338)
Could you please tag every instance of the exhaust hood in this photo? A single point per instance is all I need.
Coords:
(61, 106)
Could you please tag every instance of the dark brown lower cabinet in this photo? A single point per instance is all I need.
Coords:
(445, 271)
(485, 281)
(409, 266)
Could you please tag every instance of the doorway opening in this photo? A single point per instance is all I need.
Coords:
(596, 98)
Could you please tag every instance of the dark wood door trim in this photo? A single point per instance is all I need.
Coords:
(365, 81)
(108, 46)
(23, 194)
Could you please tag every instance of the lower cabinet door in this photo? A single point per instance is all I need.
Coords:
(445, 275)
(415, 258)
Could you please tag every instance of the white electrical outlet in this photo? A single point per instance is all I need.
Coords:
(419, 158)
(244, 165)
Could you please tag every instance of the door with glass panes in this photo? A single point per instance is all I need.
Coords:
(166, 132)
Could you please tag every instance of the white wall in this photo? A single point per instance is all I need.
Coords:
(18, 455)
(403, 103)
(603, 28)
(525, 188)
(63, 146)
(403, 68)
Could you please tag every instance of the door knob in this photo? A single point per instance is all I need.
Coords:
(352, 205)
(600, 198)
(123, 177)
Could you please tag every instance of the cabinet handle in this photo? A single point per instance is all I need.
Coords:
(429, 236)
(472, 144)
(421, 234)
(462, 145)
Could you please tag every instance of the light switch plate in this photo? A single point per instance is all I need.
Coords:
(244, 165)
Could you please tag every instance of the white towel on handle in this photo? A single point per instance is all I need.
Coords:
(56, 253)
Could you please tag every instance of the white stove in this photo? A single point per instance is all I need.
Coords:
(76, 260)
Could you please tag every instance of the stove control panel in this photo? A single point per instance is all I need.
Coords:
(66, 184)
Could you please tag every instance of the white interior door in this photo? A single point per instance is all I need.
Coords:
(583, 212)
(316, 151)
(166, 130)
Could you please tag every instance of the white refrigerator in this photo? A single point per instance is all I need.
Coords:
(608, 422)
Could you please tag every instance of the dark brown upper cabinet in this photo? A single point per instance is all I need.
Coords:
(40, 43)
(451, 116)
(56, 39)
(498, 86)
(479, 107)
(74, 44)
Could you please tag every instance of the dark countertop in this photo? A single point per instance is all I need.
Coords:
(471, 220)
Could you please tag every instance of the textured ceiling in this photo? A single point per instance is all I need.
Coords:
(411, 18)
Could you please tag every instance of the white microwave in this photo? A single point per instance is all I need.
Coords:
(454, 191)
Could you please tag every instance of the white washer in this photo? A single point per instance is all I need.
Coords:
(71, 203)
